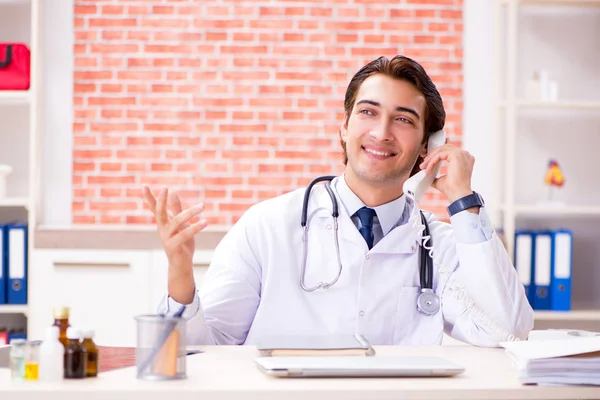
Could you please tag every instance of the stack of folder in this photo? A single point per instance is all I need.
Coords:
(543, 260)
(13, 264)
(557, 361)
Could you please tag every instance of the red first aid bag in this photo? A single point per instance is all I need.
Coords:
(14, 66)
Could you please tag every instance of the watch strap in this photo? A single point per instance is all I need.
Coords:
(471, 200)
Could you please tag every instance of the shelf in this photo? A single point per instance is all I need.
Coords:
(13, 309)
(14, 96)
(558, 210)
(14, 202)
(562, 105)
(564, 3)
(573, 315)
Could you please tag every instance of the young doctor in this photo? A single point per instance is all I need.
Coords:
(263, 280)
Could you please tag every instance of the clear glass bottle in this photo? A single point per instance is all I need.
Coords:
(17, 359)
(75, 362)
(32, 361)
(61, 320)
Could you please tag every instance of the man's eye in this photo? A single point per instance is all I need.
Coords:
(365, 111)
(405, 120)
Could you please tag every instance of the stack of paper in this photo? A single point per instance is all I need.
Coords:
(573, 361)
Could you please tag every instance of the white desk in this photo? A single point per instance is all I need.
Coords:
(229, 373)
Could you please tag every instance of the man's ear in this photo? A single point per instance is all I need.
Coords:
(423, 151)
(344, 130)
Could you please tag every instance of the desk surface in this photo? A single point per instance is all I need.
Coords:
(229, 373)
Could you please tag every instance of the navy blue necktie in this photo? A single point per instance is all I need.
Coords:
(366, 215)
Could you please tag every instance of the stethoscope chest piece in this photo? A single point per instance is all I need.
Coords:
(428, 302)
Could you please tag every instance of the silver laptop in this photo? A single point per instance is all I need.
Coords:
(359, 366)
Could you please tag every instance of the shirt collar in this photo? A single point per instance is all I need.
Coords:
(389, 214)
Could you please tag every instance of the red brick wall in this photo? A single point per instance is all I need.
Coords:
(232, 102)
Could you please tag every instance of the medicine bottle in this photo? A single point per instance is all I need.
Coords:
(75, 362)
(61, 320)
(91, 352)
(32, 361)
(52, 357)
(17, 359)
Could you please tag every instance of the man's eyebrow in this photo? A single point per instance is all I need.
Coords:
(376, 104)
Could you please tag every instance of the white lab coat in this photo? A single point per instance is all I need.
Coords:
(252, 287)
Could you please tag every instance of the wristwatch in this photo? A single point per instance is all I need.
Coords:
(472, 200)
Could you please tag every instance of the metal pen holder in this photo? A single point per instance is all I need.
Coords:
(160, 352)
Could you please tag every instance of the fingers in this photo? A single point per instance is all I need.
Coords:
(183, 218)
(161, 208)
(430, 164)
(437, 181)
(187, 234)
(150, 199)
(174, 203)
(439, 154)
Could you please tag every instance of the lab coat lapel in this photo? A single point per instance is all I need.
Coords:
(401, 240)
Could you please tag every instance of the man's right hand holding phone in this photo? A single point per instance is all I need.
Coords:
(176, 229)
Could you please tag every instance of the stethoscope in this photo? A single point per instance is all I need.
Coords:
(428, 301)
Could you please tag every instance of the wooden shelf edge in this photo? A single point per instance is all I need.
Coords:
(533, 210)
(573, 315)
(562, 3)
(13, 309)
(14, 96)
(561, 104)
(14, 202)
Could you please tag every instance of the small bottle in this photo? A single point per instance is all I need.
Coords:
(75, 362)
(32, 361)
(61, 320)
(91, 352)
(17, 359)
(533, 88)
(52, 354)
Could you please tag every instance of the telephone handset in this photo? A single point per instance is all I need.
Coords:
(417, 185)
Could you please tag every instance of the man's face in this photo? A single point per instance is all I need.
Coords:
(384, 132)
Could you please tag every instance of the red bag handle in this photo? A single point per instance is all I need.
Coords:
(4, 64)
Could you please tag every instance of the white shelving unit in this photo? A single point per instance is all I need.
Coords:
(562, 104)
(529, 130)
(576, 315)
(13, 309)
(20, 22)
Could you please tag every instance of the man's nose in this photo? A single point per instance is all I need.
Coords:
(381, 132)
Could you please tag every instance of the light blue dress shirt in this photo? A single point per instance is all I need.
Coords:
(469, 228)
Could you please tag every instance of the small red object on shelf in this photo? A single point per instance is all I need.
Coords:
(15, 66)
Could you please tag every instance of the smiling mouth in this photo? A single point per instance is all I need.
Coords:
(378, 153)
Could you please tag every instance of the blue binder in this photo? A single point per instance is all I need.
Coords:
(17, 264)
(560, 286)
(3, 265)
(542, 270)
(17, 334)
(524, 261)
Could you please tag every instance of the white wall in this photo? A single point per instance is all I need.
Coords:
(58, 101)
(479, 93)
(14, 118)
(57, 113)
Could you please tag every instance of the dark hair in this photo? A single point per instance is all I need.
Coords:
(402, 68)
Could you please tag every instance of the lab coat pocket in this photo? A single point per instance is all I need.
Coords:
(411, 326)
